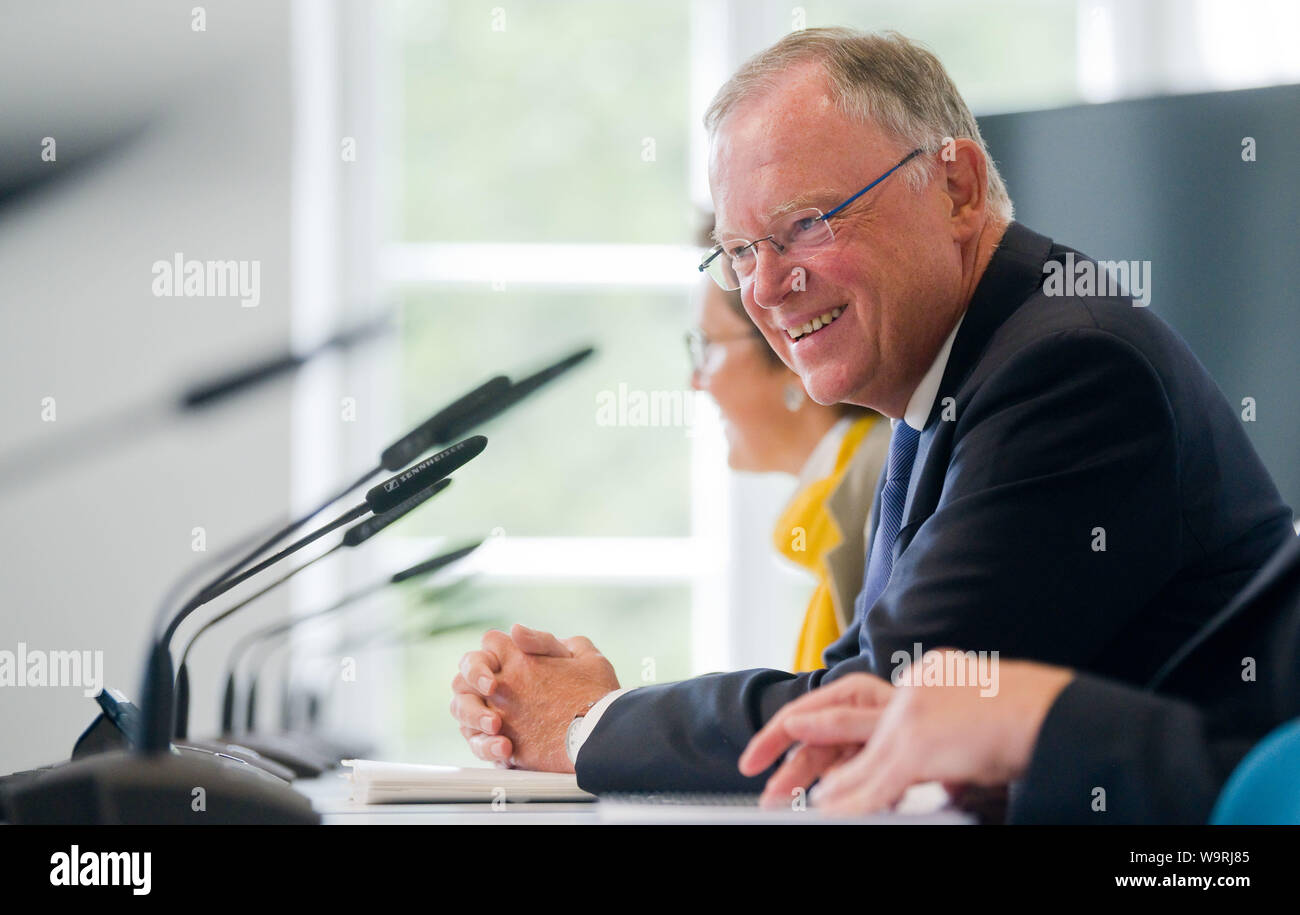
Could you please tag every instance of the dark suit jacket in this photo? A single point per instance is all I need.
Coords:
(1068, 415)
(1163, 758)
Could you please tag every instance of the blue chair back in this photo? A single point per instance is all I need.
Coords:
(1265, 788)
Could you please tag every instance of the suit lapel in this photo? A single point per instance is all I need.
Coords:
(1013, 273)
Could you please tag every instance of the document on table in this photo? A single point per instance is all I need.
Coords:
(375, 782)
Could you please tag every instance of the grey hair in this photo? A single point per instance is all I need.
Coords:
(884, 79)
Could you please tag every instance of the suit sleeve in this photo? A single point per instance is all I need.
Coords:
(685, 736)
(1072, 434)
(1109, 753)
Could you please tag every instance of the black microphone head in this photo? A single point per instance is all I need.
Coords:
(214, 390)
(362, 531)
(464, 422)
(434, 564)
(432, 431)
(537, 379)
(393, 491)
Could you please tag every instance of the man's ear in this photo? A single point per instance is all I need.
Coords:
(965, 175)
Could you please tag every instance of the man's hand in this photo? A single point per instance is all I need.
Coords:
(516, 697)
(825, 727)
(951, 734)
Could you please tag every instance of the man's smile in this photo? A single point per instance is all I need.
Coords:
(814, 324)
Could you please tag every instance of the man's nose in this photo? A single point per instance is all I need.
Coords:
(697, 379)
(772, 275)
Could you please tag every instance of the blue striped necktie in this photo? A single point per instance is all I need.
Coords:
(880, 562)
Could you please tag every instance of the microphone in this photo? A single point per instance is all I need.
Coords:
(354, 536)
(432, 431)
(383, 497)
(156, 783)
(153, 785)
(393, 458)
(212, 391)
(381, 500)
(304, 753)
(459, 423)
(158, 694)
(213, 591)
(279, 755)
(102, 434)
(411, 491)
(473, 409)
(256, 637)
(378, 637)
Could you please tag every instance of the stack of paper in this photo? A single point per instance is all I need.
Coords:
(376, 782)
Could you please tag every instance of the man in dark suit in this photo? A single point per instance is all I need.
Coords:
(1065, 482)
(1074, 747)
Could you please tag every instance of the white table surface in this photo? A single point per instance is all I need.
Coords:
(329, 796)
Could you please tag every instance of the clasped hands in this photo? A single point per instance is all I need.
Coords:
(516, 697)
(860, 739)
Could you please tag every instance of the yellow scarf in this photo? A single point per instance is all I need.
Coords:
(804, 534)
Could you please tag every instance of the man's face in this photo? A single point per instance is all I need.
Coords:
(894, 266)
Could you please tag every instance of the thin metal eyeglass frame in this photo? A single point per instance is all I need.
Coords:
(718, 250)
(696, 337)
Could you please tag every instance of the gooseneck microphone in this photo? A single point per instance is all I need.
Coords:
(213, 390)
(468, 412)
(460, 423)
(283, 627)
(376, 637)
(380, 500)
(354, 536)
(431, 432)
(481, 404)
(392, 499)
(101, 434)
(437, 429)
(156, 782)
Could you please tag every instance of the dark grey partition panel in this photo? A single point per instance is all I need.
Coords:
(1163, 180)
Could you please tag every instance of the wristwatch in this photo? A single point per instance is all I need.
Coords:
(571, 735)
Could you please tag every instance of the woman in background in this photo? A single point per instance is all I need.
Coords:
(771, 424)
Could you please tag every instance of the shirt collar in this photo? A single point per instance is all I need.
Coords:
(918, 408)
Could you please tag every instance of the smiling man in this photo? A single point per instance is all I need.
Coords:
(1065, 482)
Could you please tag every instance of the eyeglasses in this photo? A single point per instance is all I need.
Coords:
(699, 347)
(732, 262)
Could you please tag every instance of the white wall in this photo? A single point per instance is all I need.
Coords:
(87, 550)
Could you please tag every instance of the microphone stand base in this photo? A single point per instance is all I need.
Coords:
(121, 788)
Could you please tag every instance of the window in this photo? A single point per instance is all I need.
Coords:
(539, 168)
(540, 202)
